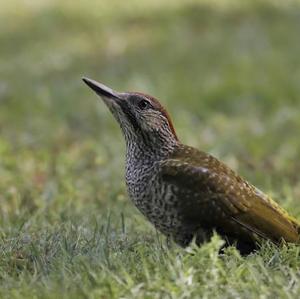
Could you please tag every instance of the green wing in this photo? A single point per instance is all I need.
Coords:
(214, 196)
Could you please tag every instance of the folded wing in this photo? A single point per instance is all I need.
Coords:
(215, 197)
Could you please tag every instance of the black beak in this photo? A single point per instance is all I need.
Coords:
(101, 89)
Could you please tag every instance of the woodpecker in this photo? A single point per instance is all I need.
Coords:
(186, 193)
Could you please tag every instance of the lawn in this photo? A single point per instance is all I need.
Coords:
(228, 71)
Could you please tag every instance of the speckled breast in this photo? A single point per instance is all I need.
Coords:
(155, 200)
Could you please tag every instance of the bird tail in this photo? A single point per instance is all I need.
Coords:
(296, 224)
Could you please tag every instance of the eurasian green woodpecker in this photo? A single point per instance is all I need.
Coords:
(186, 193)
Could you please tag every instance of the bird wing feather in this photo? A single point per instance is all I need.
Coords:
(213, 195)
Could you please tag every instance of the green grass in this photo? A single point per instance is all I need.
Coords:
(229, 73)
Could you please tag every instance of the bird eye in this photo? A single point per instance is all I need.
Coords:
(143, 104)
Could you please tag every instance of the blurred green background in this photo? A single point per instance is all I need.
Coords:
(228, 72)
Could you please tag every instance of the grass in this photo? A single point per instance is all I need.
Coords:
(229, 73)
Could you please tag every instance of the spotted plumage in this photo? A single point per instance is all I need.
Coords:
(186, 193)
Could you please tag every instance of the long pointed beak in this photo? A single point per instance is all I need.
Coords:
(101, 89)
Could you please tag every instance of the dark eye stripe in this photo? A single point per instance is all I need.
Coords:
(126, 110)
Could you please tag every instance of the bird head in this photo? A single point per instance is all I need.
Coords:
(141, 117)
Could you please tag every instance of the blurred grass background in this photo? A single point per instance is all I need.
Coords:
(228, 71)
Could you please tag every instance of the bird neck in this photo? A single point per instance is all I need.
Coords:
(146, 150)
